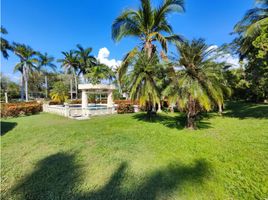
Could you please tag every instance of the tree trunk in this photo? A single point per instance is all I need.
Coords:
(46, 86)
(159, 110)
(76, 85)
(6, 97)
(220, 108)
(71, 88)
(149, 48)
(191, 115)
(26, 83)
(22, 88)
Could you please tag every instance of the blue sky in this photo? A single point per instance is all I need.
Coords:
(58, 25)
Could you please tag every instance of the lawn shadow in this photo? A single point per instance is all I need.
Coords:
(177, 122)
(58, 177)
(7, 126)
(243, 110)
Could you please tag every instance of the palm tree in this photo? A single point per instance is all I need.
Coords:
(71, 65)
(249, 27)
(28, 62)
(99, 72)
(5, 46)
(46, 61)
(198, 84)
(148, 24)
(143, 80)
(86, 61)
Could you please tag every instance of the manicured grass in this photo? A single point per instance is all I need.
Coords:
(126, 157)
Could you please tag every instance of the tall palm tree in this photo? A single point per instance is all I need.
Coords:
(198, 85)
(249, 27)
(149, 25)
(86, 61)
(5, 46)
(28, 62)
(143, 80)
(70, 63)
(46, 61)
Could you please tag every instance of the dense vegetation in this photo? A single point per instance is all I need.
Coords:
(127, 157)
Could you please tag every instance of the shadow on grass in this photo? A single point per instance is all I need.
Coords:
(7, 126)
(243, 110)
(58, 177)
(177, 122)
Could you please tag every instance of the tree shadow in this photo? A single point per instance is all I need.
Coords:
(243, 110)
(58, 177)
(175, 122)
(7, 126)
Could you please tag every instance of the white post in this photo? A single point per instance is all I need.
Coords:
(110, 102)
(84, 102)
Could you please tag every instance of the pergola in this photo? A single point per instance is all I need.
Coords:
(93, 89)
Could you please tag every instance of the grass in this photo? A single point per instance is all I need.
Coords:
(127, 157)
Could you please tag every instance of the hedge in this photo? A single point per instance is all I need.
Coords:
(125, 108)
(20, 109)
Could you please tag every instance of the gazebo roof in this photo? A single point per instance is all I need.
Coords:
(96, 87)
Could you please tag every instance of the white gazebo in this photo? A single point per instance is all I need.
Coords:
(96, 89)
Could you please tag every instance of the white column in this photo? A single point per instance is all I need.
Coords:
(110, 102)
(84, 102)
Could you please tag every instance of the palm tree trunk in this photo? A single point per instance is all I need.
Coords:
(71, 88)
(76, 85)
(220, 108)
(22, 88)
(191, 114)
(148, 46)
(46, 86)
(26, 83)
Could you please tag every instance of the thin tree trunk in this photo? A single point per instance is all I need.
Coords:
(71, 88)
(26, 83)
(6, 97)
(22, 88)
(76, 85)
(220, 108)
(46, 86)
(149, 48)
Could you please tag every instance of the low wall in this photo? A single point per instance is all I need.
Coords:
(73, 112)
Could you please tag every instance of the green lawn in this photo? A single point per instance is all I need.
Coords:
(126, 157)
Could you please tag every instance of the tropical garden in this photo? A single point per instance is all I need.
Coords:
(201, 132)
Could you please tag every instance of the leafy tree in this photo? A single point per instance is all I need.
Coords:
(198, 85)
(70, 63)
(251, 45)
(100, 72)
(10, 87)
(28, 63)
(46, 61)
(5, 46)
(59, 92)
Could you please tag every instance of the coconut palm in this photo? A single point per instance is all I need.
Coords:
(28, 62)
(249, 27)
(46, 61)
(149, 25)
(86, 61)
(70, 63)
(98, 73)
(5, 46)
(198, 84)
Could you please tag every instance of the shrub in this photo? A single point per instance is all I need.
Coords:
(19, 109)
(125, 108)
(54, 103)
(59, 92)
(126, 102)
(75, 101)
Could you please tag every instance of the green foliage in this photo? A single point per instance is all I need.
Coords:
(98, 73)
(199, 84)
(5, 46)
(261, 43)
(59, 92)
(10, 87)
(20, 109)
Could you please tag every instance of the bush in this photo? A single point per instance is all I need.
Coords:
(75, 101)
(125, 108)
(126, 102)
(54, 103)
(20, 109)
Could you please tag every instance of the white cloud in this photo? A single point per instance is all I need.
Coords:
(103, 57)
(226, 57)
